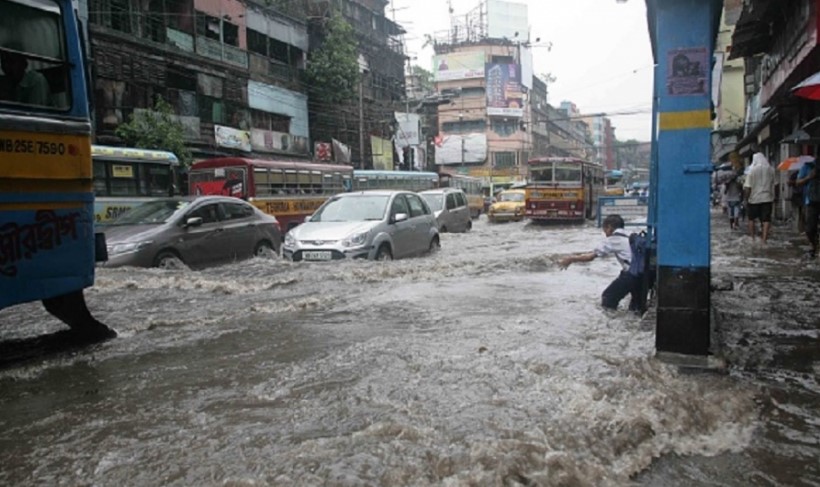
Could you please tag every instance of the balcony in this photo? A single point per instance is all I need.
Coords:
(222, 52)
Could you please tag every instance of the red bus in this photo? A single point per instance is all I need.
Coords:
(563, 189)
(288, 190)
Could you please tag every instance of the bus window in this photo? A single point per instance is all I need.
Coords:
(304, 182)
(261, 179)
(291, 182)
(32, 55)
(277, 181)
(122, 180)
(100, 179)
(541, 175)
(156, 180)
(316, 182)
(567, 173)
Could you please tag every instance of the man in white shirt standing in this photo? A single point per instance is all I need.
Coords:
(759, 191)
(616, 244)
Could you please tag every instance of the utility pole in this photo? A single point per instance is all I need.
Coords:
(361, 121)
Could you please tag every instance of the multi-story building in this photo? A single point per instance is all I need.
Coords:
(602, 135)
(233, 72)
(368, 124)
(779, 43)
(230, 71)
(728, 99)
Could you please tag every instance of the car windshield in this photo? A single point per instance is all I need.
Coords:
(434, 200)
(511, 197)
(352, 209)
(151, 212)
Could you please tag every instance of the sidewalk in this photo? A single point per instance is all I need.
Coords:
(766, 329)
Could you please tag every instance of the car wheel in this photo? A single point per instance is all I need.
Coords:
(435, 245)
(384, 253)
(264, 250)
(469, 226)
(168, 260)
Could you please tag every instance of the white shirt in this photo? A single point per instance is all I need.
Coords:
(616, 244)
(760, 180)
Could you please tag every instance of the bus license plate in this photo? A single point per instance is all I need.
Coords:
(316, 255)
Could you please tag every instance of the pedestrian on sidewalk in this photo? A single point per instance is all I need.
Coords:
(733, 193)
(616, 243)
(796, 200)
(759, 192)
(807, 179)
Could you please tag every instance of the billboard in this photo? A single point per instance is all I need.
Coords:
(460, 149)
(458, 65)
(504, 19)
(505, 95)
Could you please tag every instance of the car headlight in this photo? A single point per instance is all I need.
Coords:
(355, 240)
(125, 248)
(290, 241)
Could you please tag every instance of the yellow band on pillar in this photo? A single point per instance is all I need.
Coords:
(696, 119)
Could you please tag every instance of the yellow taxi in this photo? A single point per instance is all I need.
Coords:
(509, 205)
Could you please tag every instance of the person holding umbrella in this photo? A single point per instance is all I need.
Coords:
(808, 181)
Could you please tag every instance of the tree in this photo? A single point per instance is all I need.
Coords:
(156, 129)
(425, 79)
(333, 69)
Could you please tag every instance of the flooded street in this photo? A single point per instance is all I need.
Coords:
(483, 364)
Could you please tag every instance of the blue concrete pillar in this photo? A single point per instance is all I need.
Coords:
(683, 42)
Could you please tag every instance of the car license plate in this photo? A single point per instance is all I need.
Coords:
(316, 255)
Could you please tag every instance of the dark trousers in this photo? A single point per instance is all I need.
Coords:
(812, 214)
(624, 284)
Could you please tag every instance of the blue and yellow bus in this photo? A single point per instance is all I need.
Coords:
(407, 180)
(124, 177)
(48, 246)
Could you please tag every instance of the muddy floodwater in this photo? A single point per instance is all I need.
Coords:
(482, 364)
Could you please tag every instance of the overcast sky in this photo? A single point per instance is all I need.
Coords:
(601, 55)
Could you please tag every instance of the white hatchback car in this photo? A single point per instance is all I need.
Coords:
(376, 225)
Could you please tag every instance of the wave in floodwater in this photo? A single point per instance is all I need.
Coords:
(482, 364)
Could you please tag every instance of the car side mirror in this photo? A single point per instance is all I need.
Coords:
(307, 218)
(400, 217)
(193, 221)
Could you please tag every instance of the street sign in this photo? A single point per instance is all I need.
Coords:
(634, 209)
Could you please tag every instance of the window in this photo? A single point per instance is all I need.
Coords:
(34, 66)
(504, 127)
(464, 126)
(461, 200)
(399, 206)
(417, 208)
(230, 33)
(270, 121)
(451, 201)
(257, 42)
(236, 211)
(208, 213)
(114, 14)
(207, 26)
(279, 51)
(210, 109)
(504, 159)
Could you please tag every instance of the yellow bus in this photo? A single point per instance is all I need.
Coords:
(124, 177)
(563, 189)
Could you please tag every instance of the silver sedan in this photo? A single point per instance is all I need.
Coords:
(376, 225)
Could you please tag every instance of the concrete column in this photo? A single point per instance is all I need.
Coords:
(683, 44)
